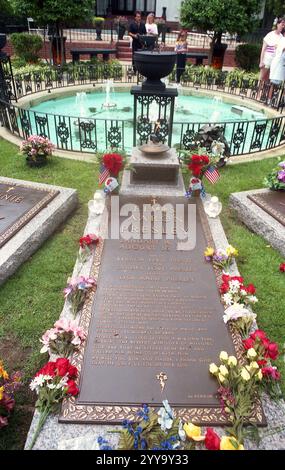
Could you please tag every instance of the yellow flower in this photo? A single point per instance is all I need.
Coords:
(231, 251)
(221, 378)
(259, 374)
(254, 366)
(209, 252)
(224, 371)
(193, 432)
(1, 392)
(245, 374)
(213, 368)
(230, 443)
(232, 361)
(224, 356)
(3, 372)
(251, 353)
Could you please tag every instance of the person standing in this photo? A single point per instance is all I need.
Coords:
(137, 28)
(181, 50)
(150, 26)
(270, 44)
(277, 68)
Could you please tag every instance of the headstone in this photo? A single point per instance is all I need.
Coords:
(273, 202)
(18, 205)
(155, 326)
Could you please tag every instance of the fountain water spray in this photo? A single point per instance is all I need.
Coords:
(108, 103)
(81, 102)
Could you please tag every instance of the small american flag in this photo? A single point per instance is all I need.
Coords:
(212, 174)
(103, 174)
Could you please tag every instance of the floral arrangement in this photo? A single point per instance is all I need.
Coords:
(87, 243)
(36, 149)
(114, 162)
(276, 179)
(8, 386)
(161, 430)
(238, 385)
(242, 318)
(63, 339)
(221, 258)
(202, 164)
(77, 289)
(234, 291)
(52, 383)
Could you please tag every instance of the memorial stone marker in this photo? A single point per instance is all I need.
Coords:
(18, 205)
(156, 323)
(272, 202)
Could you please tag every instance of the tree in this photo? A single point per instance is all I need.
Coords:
(57, 13)
(220, 16)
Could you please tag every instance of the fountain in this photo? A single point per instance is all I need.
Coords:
(81, 102)
(215, 116)
(108, 103)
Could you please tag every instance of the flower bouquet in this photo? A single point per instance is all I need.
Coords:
(37, 149)
(52, 383)
(221, 258)
(76, 290)
(201, 165)
(8, 386)
(111, 164)
(276, 179)
(87, 244)
(63, 339)
(234, 291)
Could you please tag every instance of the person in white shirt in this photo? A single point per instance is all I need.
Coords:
(150, 26)
(277, 69)
(270, 44)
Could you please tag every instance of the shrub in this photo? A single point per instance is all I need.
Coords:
(26, 46)
(247, 56)
(236, 77)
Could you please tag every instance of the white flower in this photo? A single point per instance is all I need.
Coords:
(181, 432)
(213, 368)
(234, 312)
(227, 298)
(221, 378)
(52, 386)
(165, 416)
(254, 366)
(223, 370)
(232, 361)
(252, 299)
(44, 349)
(234, 286)
(223, 356)
(251, 353)
(245, 375)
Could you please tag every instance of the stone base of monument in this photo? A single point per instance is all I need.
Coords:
(153, 175)
(29, 214)
(263, 212)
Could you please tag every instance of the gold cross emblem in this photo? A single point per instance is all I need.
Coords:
(162, 377)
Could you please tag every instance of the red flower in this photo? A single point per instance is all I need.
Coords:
(8, 402)
(205, 159)
(262, 362)
(250, 289)
(259, 334)
(62, 365)
(113, 162)
(212, 440)
(282, 268)
(196, 159)
(90, 239)
(224, 288)
(196, 169)
(248, 343)
(272, 351)
(72, 372)
(271, 372)
(72, 389)
(47, 369)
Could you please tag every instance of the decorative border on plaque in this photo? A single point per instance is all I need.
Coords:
(71, 412)
(259, 201)
(25, 218)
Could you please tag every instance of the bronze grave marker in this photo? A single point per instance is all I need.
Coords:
(155, 325)
(272, 202)
(18, 205)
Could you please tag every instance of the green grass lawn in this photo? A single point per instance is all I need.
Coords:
(31, 300)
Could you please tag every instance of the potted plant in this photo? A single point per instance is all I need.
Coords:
(276, 179)
(98, 23)
(37, 150)
(121, 23)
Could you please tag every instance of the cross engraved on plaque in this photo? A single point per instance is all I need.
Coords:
(162, 377)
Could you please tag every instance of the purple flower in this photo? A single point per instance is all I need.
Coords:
(281, 176)
(282, 164)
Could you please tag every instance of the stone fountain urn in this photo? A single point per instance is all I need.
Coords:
(154, 65)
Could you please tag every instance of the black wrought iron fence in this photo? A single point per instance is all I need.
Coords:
(86, 134)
